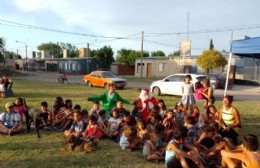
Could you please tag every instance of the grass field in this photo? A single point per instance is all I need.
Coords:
(26, 150)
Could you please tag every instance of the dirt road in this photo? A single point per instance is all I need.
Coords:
(240, 92)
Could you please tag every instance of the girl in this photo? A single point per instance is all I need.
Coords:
(180, 114)
(149, 149)
(188, 99)
(207, 93)
(199, 119)
(20, 107)
(129, 139)
(198, 91)
(113, 123)
(64, 119)
(211, 115)
(162, 107)
(153, 120)
(92, 131)
(169, 124)
(141, 129)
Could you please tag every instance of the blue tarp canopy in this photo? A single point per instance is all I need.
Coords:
(247, 47)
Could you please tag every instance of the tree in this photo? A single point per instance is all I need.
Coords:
(211, 45)
(54, 49)
(157, 53)
(72, 50)
(211, 59)
(2, 49)
(128, 56)
(176, 53)
(104, 56)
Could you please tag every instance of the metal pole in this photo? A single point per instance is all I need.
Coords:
(188, 25)
(142, 51)
(58, 58)
(88, 59)
(26, 61)
(229, 64)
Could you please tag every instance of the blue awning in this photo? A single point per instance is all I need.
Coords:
(247, 47)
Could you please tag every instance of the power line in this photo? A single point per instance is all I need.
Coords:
(9, 23)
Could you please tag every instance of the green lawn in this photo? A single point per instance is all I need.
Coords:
(26, 150)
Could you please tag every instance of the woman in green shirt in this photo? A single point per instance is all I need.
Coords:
(109, 99)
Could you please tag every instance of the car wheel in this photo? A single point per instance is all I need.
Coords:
(89, 84)
(156, 91)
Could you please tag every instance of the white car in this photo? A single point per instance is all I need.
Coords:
(172, 85)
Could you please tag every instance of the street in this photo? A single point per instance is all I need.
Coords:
(240, 92)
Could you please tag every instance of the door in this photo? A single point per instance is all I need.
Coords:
(149, 70)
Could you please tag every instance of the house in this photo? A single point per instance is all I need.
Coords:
(122, 69)
(164, 66)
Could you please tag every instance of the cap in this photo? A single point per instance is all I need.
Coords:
(9, 104)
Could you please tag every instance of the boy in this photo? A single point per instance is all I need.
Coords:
(10, 121)
(44, 114)
(78, 126)
(247, 154)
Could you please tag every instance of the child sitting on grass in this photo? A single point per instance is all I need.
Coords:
(113, 122)
(93, 130)
(20, 106)
(77, 127)
(102, 122)
(44, 114)
(169, 124)
(149, 149)
(141, 129)
(95, 109)
(248, 155)
(181, 154)
(130, 140)
(64, 119)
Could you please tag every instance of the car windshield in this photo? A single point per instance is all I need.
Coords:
(108, 75)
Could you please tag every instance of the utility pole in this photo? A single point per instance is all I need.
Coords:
(88, 59)
(58, 58)
(26, 61)
(142, 52)
(188, 24)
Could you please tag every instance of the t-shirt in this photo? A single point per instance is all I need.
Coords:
(9, 119)
(2, 88)
(21, 110)
(78, 126)
(187, 89)
(113, 123)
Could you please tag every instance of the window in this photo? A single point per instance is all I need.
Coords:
(161, 67)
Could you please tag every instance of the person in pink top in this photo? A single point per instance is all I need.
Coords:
(20, 107)
(198, 91)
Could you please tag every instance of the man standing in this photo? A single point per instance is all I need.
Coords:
(10, 121)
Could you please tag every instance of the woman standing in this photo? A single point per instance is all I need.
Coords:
(109, 99)
(229, 119)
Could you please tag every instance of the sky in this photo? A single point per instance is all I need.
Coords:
(119, 23)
